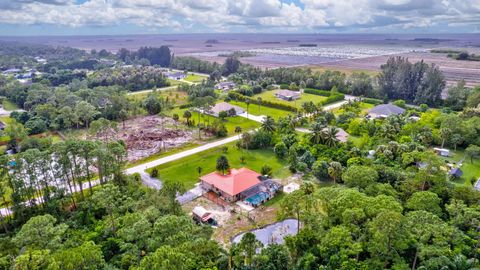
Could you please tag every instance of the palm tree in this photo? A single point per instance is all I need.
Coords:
(317, 133)
(222, 164)
(187, 115)
(335, 170)
(329, 136)
(268, 124)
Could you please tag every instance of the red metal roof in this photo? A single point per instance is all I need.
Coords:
(233, 183)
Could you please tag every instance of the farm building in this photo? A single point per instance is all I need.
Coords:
(225, 86)
(384, 110)
(288, 95)
(224, 106)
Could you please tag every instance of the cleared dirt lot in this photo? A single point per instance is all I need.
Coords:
(147, 135)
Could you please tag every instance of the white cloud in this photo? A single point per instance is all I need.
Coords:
(250, 15)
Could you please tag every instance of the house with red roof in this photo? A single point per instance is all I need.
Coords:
(232, 186)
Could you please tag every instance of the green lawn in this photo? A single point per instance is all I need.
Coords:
(195, 78)
(9, 106)
(254, 109)
(364, 107)
(270, 96)
(185, 170)
(178, 97)
(174, 82)
(230, 122)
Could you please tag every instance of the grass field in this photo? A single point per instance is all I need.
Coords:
(270, 96)
(9, 106)
(254, 109)
(174, 95)
(364, 107)
(185, 170)
(230, 122)
(195, 78)
(174, 82)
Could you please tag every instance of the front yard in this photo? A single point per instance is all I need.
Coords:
(304, 97)
(185, 170)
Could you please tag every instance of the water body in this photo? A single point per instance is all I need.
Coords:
(273, 233)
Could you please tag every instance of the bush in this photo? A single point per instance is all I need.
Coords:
(333, 98)
(317, 92)
(400, 103)
(154, 172)
(266, 170)
(373, 101)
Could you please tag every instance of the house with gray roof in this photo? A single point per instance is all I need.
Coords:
(385, 110)
(288, 95)
(224, 106)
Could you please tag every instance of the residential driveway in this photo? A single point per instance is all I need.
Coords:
(141, 168)
(151, 90)
(150, 181)
(190, 195)
(257, 118)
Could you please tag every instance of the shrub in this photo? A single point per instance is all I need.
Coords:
(266, 170)
(154, 173)
(373, 101)
(317, 92)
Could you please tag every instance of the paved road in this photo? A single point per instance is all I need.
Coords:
(151, 90)
(141, 168)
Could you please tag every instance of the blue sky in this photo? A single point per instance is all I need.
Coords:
(94, 17)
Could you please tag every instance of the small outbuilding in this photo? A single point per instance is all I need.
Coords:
(384, 110)
(201, 215)
(442, 152)
(455, 172)
(175, 75)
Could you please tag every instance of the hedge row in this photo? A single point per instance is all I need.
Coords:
(185, 106)
(373, 101)
(237, 96)
(333, 98)
(317, 92)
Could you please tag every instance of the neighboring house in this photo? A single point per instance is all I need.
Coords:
(175, 75)
(27, 75)
(225, 86)
(384, 110)
(288, 95)
(231, 186)
(442, 152)
(455, 172)
(224, 106)
(341, 136)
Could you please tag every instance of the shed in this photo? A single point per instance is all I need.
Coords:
(201, 214)
(455, 172)
(442, 152)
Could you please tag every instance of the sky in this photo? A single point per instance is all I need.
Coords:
(112, 17)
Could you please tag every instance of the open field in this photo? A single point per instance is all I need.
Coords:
(254, 109)
(185, 170)
(195, 78)
(346, 70)
(178, 97)
(230, 122)
(270, 96)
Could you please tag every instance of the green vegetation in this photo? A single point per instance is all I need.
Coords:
(185, 170)
(254, 109)
(195, 78)
(9, 106)
(270, 96)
